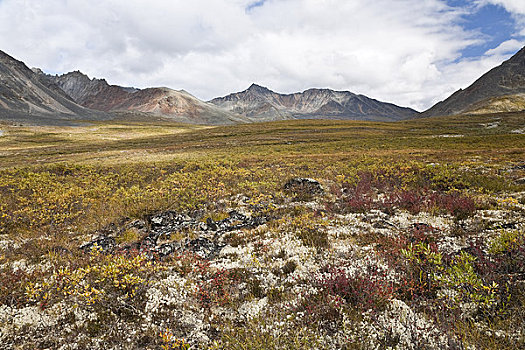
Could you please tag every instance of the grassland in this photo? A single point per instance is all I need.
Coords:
(417, 240)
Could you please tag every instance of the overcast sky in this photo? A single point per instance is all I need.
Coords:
(409, 52)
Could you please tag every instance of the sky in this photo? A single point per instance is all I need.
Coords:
(409, 52)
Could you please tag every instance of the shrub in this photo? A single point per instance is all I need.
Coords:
(216, 287)
(105, 280)
(368, 290)
(461, 277)
(170, 342)
(455, 204)
(310, 228)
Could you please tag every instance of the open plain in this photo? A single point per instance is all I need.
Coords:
(294, 234)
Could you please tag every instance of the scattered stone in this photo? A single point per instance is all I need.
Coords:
(103, 243)
(204, 247)
(167, 249)
(505, 226)
(236, 221)
(384, 224)
(304, 185)
(166, 223)
(139, 225)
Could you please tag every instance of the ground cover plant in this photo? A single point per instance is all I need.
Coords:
(299, 234)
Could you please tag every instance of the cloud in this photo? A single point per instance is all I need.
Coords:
(402, 51)
(505, 48)
(516, 7)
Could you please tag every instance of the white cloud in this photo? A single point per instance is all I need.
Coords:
(402, 51)
(512, 6)
(506, 47)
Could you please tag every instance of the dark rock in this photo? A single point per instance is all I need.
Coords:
(384, 224)
(105, 244)
(204, 247)
(211, 224)
(235, 221)
(421, 226)
(167, 249)
(139, 225)
(304, 185)
(160, 226)
(166, 223)
(505, 225)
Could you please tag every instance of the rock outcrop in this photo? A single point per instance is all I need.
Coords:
(157, 233)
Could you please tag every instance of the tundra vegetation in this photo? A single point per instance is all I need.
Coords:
(414, 237)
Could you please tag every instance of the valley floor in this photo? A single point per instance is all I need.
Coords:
(286, 235)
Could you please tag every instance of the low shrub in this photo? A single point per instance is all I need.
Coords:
(368, 290)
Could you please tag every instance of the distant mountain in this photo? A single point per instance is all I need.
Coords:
(26, 96)
(262, 104)
(176, 105)
(506, 80)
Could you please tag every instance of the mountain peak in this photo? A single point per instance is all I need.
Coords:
(518, 57)
(258, 88)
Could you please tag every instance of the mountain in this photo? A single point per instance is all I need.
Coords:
(26, 96)
(506, 80)
(508, 103)
(176, 105)
(261, 104)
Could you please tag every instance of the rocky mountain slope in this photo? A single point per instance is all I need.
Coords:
(508, 80)
(509, 103)
(260, 103)
(26, 96)
(176, 105)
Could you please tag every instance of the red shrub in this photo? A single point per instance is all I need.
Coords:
(455, 204)
(368, 290)
(216, 288)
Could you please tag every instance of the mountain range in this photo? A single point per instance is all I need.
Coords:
(31, 96)
(172, 104)
(260, 103)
